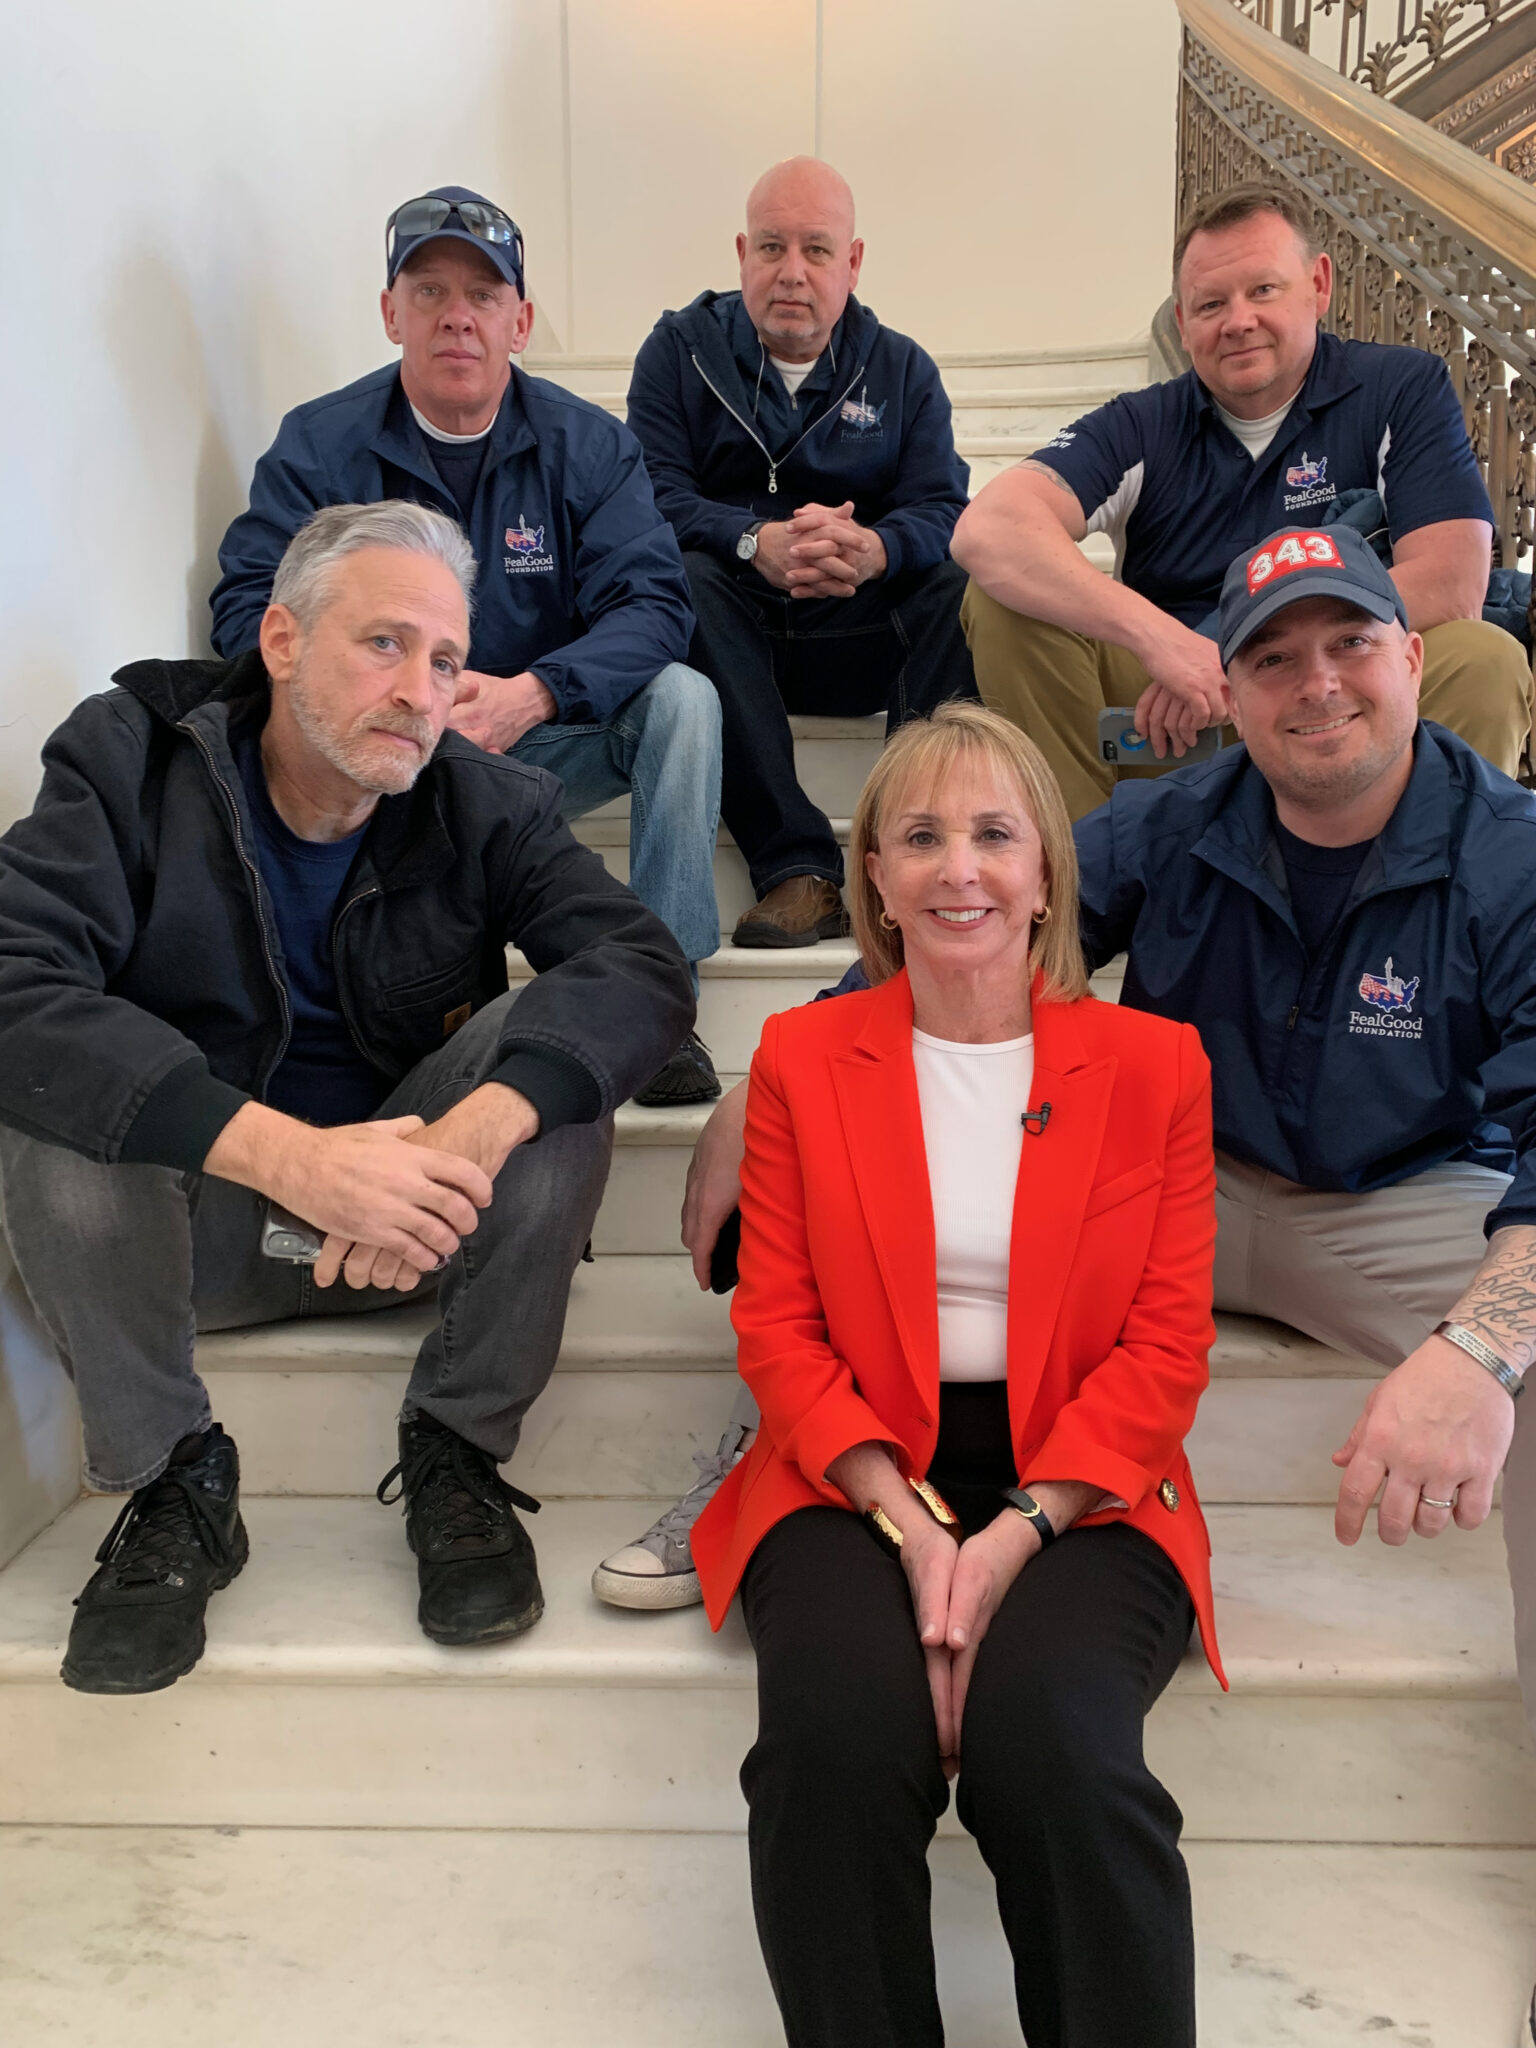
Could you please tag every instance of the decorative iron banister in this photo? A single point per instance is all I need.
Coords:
(1432, 245)
(1394, 47)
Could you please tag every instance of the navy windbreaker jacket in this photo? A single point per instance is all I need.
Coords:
(726, 444)
(580, 577)
(1409, 1040)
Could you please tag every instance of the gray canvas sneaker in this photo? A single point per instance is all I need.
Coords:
(656, 1570)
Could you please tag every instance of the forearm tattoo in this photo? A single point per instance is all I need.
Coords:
(1500, 1304)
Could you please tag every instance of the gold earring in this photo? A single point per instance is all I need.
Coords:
(887, 922)
(1043, 916)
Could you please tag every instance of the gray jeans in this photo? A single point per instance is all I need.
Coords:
(125, 1264)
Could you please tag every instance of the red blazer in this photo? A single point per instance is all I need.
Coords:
(1109, 1306)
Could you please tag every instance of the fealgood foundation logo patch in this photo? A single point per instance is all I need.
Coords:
(527, 554)
(1390, 1006)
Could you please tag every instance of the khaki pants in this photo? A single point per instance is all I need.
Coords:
(1369, 1275)
(1373, 1274)
(1053, 684)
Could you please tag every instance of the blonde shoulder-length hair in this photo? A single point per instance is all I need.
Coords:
(924, 755)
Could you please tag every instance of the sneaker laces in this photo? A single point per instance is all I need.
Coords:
(444, 1474)
(159, 1525)
(677, 1523)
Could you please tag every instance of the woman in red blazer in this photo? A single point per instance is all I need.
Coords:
(975, 1308)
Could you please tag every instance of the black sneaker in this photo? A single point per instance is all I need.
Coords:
(479, 1578)
(689, 1076)
(138, 1625)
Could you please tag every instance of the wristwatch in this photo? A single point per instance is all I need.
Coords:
(746, 547)
(1026, 1505)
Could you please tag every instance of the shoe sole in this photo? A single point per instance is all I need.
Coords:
(647, 1596)
(771, 937)
(493, 1632)
(683, 1099)
(78, 1681)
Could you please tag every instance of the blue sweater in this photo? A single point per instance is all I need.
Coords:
(580, 578)
(726, 444)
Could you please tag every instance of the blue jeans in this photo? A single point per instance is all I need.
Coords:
(661, 749)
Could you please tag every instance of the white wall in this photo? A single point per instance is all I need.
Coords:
(206, 184)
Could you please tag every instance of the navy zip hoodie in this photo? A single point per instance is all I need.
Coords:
(726, 444)
(580, 579)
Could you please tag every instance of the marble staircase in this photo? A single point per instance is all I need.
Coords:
(334, 1829)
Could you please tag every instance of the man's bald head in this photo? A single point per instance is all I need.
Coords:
(799, 257)
(803, 183)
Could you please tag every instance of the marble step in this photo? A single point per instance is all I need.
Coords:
(249, 1936)
(1373, 1700)
(616, 1434)
(741, 987)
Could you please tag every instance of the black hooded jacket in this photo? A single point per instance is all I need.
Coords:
(142, 992)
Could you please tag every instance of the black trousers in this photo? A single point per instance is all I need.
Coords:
(894, 646)
(845, 1787)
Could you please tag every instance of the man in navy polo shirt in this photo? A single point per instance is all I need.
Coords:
(805, 457)
(1275, 421)
(581, 615)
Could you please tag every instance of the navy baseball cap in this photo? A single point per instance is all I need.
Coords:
(1297, 562)
(452, 213)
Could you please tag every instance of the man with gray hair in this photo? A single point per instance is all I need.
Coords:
(252, 961)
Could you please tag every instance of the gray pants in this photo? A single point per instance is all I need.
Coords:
(1370, 1275)
(125, 1264)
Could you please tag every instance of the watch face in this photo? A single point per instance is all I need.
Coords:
(746, 547)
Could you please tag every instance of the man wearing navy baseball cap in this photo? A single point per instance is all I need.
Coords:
(581, 620)
(1343, 907)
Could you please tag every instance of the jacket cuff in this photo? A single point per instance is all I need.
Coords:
(560, 1088)
(1066, 1454)
(1517, 1207)
(180, 1118)
(890, 540)
(838, 1421)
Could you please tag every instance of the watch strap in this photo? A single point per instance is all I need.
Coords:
(1025, 1504)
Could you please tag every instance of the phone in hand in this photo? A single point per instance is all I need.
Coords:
(1122, 744)
(288, 1237)
(722, 1260)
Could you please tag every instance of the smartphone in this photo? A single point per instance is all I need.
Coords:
(722, 1260)
(288, 1237)
(1120, 742)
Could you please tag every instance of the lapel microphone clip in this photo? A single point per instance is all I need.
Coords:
(1035, 1120)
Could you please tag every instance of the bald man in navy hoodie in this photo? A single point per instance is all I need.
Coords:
(805, 457)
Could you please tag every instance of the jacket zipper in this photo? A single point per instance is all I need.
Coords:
(341, 987)
(775, 466)
(274, 975)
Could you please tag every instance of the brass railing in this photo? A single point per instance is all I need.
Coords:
(1395, 47)
(1432, 245)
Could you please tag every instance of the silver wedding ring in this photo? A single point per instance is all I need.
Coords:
(1426, 1502)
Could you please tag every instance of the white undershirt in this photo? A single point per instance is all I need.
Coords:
(972, 1098)
(1255, 435)
(794, 374)
(437, 433)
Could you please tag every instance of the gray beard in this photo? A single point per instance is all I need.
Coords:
(348, 752)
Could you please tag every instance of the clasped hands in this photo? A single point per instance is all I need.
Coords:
(956, 1589)
(393, 1198)
(820, 552)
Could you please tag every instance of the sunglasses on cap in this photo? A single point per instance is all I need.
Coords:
(429, 216)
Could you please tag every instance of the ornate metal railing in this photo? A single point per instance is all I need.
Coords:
(1432, 246)
(1395, 47)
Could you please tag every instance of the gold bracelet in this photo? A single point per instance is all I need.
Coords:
(935, 1503)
